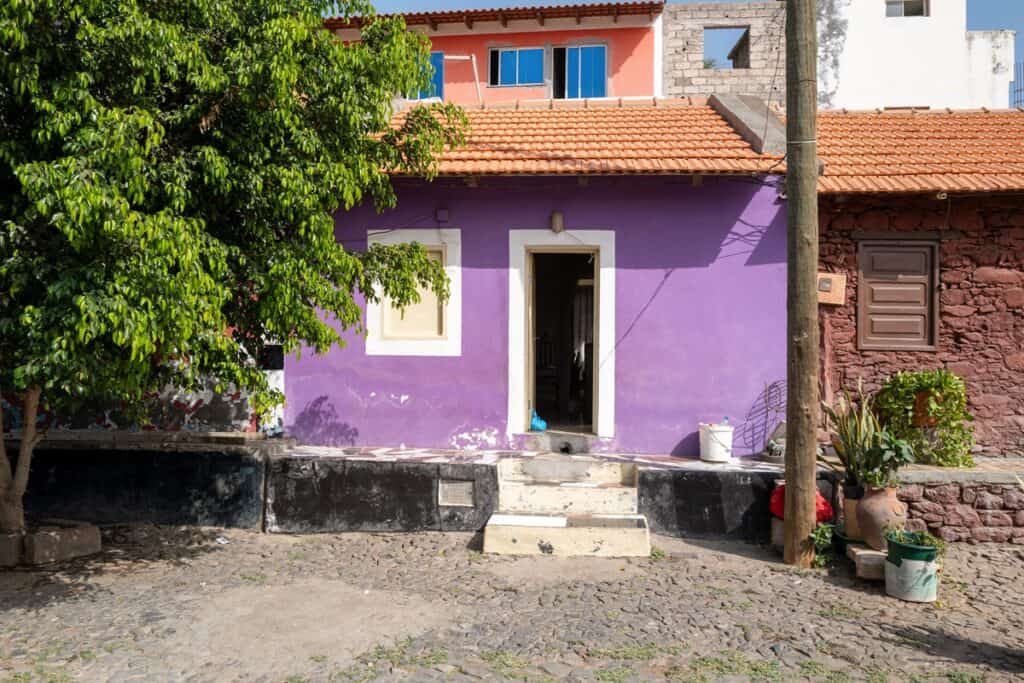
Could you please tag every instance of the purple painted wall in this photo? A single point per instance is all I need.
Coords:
(701, 297)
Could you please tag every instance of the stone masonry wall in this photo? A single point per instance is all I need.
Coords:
(981, 330)
(684, 70)
(966, 512)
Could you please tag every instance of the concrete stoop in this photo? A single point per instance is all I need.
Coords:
(567, 506)
(568, 536)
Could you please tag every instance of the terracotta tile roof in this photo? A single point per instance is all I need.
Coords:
(921, 151)
(468, 16)
(611, 136)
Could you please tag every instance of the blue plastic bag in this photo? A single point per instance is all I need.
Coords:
(538, 424)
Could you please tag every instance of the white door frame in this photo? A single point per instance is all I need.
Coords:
(520, 243)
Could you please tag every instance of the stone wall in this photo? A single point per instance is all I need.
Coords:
(684, 70)
(966, 512)
(981, 331)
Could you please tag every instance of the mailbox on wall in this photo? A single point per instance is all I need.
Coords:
(832, 289)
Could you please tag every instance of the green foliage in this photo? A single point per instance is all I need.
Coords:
(854, 427)
(886, 455)
(948, 443)
(921, 538)
(824, 553)
(169, 171)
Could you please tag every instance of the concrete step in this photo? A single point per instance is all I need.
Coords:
(557, 442)
(568, 535)
(557, 468)
(579, 498)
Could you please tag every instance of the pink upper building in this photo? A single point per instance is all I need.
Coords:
(573, 52)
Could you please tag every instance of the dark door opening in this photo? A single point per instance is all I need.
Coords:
(563, 330)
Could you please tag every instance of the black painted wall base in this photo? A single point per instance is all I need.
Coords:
(204, 488)
(261, 488)
(316, 495)
(723, 503)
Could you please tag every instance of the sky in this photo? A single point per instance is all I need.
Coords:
(981, 14)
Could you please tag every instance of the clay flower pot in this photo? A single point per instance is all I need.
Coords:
(878, 510)
(851, 498)
(921, 418)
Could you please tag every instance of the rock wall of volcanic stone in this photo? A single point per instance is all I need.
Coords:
(981, 331)
(966, 512)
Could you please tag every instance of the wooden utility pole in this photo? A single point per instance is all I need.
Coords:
(802, 259)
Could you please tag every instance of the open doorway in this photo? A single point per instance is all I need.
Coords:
(563, 333)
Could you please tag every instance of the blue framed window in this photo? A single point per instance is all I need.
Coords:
(437, 79)
(586, 72)
(517, 66)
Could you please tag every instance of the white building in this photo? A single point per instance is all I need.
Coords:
(916, 53)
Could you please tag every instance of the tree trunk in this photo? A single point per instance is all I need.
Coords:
(12, 488)
(12, 514)
(802, 259)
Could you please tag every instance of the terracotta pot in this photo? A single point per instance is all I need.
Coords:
(852, 496)
(851, 527)
(921, 418)
(879, 510)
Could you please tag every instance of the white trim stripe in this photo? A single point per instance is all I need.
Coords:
(520, 241)
(451, 345)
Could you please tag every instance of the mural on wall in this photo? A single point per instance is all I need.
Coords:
(171, 410)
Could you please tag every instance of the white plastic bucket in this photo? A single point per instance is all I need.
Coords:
(912, 580)
(715, 442)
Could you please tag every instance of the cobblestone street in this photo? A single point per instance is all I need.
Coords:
(211, 605)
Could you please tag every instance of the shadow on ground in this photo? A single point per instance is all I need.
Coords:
(126, 549)
(950, 646)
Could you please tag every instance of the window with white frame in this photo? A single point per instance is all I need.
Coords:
(429, 327)
(906, 8)
(516, 66)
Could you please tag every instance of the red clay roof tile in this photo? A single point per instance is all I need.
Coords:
(863, 152)
(606, 137)
(921, 151)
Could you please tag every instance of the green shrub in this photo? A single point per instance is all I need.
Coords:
(948, 442)
(854, 425)
(884, 457)
(821, 537)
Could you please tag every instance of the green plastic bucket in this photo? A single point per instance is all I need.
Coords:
(911, 572)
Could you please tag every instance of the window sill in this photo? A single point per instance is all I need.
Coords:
(893, 349)
(413, 347)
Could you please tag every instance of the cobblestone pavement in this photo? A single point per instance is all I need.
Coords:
(164, 604)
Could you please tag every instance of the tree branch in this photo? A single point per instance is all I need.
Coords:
(29, 439)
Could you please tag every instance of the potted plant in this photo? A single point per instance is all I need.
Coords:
(854, 425)
(911, 564)
(880, 508)
(929, 410)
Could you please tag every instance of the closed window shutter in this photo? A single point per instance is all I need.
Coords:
(897, 295)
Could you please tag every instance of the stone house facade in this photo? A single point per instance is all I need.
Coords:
(981, 301)
(978, 512)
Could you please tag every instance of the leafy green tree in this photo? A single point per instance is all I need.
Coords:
(169, 173)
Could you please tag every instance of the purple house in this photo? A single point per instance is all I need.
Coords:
(617, 267)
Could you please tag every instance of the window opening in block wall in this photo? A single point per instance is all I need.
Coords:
(906, 8)
(727, 47)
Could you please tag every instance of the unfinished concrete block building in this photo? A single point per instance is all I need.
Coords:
(757, 60)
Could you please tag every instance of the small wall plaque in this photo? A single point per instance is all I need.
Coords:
(455, 493)
(832, 289)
